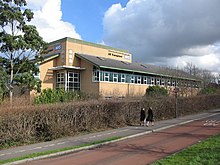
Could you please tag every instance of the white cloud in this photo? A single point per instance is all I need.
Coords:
(166, 32)
(48, 20)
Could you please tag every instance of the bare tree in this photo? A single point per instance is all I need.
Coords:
(191, 69)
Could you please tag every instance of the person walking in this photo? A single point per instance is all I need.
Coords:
(150, 117)
(142, 116)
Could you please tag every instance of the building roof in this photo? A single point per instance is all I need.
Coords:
(140, 68)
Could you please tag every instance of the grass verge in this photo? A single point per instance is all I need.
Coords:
(34, 155)
(206, 152)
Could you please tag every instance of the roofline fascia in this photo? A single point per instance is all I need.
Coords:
(48, 59)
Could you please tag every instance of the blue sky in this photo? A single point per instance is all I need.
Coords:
(87, 16)
(169, 33)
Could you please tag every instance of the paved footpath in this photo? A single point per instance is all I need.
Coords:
(205, 120)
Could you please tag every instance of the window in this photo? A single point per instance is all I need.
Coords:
(127, 78)
(95, 75)
(106, 76)
(177, 83)
(37, 76)
(144, 80)
(73, 81)
(132, 79)
(60, 83)
(148, 80)
(115, 77)
(173, 83)
(110, 77)
(101, 76)
(123, 76)
(158, 81)
(152, 81)
(168, 82)
(76, 81)
(189, 84)
(138, 79)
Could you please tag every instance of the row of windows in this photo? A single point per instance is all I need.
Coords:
(72, 83)
(108, 76)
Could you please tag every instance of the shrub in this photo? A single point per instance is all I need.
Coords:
(56, 95)
(208, 90)
(156, 91)
(29, 124)
(49, 96)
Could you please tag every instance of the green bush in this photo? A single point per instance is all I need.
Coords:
(56, 95)
(208, 90)
(156, 91)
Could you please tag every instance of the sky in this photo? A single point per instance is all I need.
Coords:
(161, 32)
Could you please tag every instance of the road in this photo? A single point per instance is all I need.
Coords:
(143, 149)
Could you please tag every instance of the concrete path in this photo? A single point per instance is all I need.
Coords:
(126, 132)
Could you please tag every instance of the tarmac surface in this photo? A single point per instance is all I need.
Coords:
(140, 144)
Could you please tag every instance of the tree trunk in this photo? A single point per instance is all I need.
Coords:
(11, 80)
(11, 96)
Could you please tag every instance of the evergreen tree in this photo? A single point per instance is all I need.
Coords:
(20, 43)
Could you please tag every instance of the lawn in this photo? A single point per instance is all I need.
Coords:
(204, 153)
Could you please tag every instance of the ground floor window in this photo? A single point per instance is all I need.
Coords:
(152, 81)
(126, 77)
(60, 83)
(132, 79)
(144, 80)
(95, 75)
(73, 81)
(123, 76)
(68, 80)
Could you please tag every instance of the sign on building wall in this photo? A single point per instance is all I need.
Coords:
(127, 57)
(57, 47)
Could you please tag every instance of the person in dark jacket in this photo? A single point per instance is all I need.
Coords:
(150, 117)
(142, 116)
